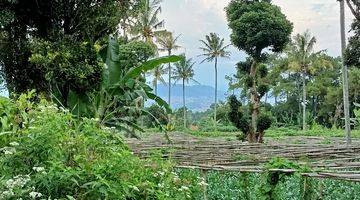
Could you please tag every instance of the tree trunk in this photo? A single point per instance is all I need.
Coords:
(304, 102)
(345, 74)
(169, 86)
(155, 84)
(215, 120)
(169, 68)
(255, 104)
(184, 106)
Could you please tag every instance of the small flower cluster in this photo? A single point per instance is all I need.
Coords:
(13, 183)
(35, 195)
(8, 150)
(39, 170)
(11, 149)
(202, 182)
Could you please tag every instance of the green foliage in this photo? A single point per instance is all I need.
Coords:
(7, 114)
(352, 52)
(262, 71)
(263, 122)
(67, 65)
(237, 117)
(263, 89)
(244, 67)
(257, 25)
(271, 179)
(119, 101)
(158, 113)
(60, 157)
(133, 53)
(63, 31)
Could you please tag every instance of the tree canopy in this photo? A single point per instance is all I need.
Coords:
(50, 26)
(258, 25)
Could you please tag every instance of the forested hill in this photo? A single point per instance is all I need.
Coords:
(198, 97)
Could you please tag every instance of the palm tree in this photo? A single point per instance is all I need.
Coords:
(214, 48)
(303, 60)
(184, 71)
(157, 74)
(167, 43)
(147, 23)
(345, 72)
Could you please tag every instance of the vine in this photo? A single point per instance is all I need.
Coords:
(271, 179)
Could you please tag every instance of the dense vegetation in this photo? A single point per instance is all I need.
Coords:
(77, 75)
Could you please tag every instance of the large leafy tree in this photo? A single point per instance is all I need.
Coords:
(76, 24)
(184, 72)
(168, 43)
(214, 48)
(256, 26)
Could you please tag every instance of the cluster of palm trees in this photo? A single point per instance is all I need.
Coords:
(304, 61)
(149, 28)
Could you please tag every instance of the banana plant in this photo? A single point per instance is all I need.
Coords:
(120, 99)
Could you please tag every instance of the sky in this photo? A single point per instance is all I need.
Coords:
(193, 19)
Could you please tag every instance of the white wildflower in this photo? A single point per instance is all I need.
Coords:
(14, 144)
(202, 183)
(8, 150)
(35, 195)
(135, 188)
(160, 185)
(184, 188)
(7, 194)
(17, 181)
(38, 169)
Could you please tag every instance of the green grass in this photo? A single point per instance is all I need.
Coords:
(316, 132)
(280, 133)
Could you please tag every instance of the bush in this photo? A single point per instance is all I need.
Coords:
(157, 112)
(59, 157)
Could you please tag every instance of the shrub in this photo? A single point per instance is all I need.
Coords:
(59, 157)
(159, 113)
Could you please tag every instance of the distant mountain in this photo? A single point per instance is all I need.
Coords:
(198, 97)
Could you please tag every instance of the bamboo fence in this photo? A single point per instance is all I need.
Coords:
(334, 161)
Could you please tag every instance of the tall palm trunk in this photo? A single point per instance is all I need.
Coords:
(345, 74)
(169, 85)
(155, 86)
(215, 109)
(169, 68)
(304, 102)
(184, 106)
